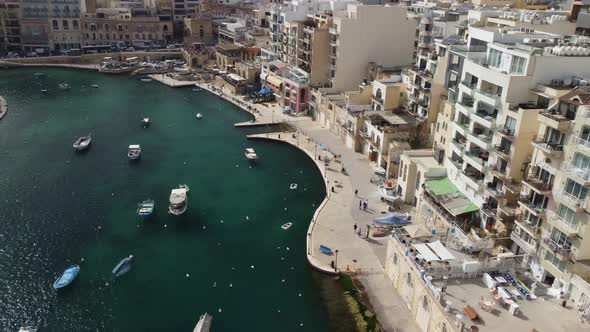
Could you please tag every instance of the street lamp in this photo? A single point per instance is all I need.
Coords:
(336, 261)
(273, 116)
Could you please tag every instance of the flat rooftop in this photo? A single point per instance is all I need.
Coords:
(543, 313)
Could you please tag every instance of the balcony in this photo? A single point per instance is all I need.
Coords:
(502, 151)
(472, 179)
(483, 118)
(465, 107)
(581, 143)
(550, 148)
(554, 120)
(456, 163)
(468, 87)
(529, 248)
(533, 229)
(487, 97)
(506, 132)
(498, 171)
(481, 140)
(566, 227)
(538, 185)
(535, 208)
(475, 160)
(458, 146)
(562, 252)
(573, 202)
(494, 190)
(579, 174)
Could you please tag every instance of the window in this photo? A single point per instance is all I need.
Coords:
(555, 261)
(106, 27)
(575, 189)
(65, 24)
(75, 25)
(495, 58)
(55, 25)
(510, 124)
(517, 65)
(119, 27)
(165, 28)
(581, 161)
(418, 181)
(567, 215)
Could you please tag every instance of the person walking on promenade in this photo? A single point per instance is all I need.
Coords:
(356, 192)
(360, 203)
(355, 227)
(365, 206)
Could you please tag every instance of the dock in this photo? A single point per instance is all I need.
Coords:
(170, 82)
(3, 107)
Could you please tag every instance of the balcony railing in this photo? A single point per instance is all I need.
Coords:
(536, 207)
(558, 249)
(503, 150)
(572, 201)
(522, 243)
(581, 142)
(582, 174)
(538, 184)
(547, 145)
(567, 227)
(505, 131)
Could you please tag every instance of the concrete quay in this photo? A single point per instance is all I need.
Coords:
(171, 82)
(3, 107)
(9, 64)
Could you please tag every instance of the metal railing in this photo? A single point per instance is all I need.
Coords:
(563, 224)
(583, 174)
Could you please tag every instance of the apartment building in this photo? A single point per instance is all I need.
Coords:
(364, 34)
(314, 48)
(34, 25)
(120, 27)
(10, 38)
(65, 31)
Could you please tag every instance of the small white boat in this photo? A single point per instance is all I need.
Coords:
(204, 323)
(185, 187)
(197, 90)
(44, 91)
(28, 329)
(145, 79)
(82, 143)
(287, 226)
(64, 86)
(199, 116)
(293, 186)
(145, 122)
(250, 154)
(134, 152)
(178, 201)
(95, 86)
(389, 194)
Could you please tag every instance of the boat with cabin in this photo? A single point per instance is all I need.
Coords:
(67, 277)
(145, 209)
(123, 266)
(145, 122)
(178, 201)
(199, 116)
(82, 143)
(389, 193)
(111, 66)
(250, 154)
(204, 323)
(134, 152)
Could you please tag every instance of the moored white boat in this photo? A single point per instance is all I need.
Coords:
(145, 209)
(204, 323)
(286, 226)
(67, 277)
(199, 116)
(134, 152)
(178, 201)
(250, 154)
(82, 143)
(145, 122)
(64, 86)
(95, 86)
(123, 266)
(389, 194)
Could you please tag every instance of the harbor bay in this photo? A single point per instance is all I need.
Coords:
(227, 255)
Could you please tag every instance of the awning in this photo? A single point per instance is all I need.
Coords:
(274, 80)
(265, 91)
(446, 194)
(236, 77)
(441, 251)
(425, 252)
(417, 231)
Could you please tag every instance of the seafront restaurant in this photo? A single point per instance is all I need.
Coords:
(451, 287)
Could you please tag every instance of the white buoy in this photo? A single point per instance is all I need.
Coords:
(188, 275)
(251, 266)
(165, 225)
(219, 310)
(299, 294)
(283, 280)
(215, 284)
(287, 248)
(285, 209)
(231, 285)
(221, 221)
(82, 259)
(106, 283)
(204, 227)
(282, 258)
(237, 165)
(247, 218)
(279, 310)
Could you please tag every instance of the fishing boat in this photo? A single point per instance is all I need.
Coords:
(82, 143)
(123, 267)
(44, 91)
(95, 86)
(199, 116)
(64, 86)
(27, 329)
(178, 201)
(293, 186)
(185, 187)
(145, 122)
(286, 226)
(134, 152)
(67, 277)
(389, 194)
(146, 208)
(250, 154)
(204, 323)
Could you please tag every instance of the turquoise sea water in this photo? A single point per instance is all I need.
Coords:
(60, 207)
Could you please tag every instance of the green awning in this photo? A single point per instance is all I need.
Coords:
(451, 198)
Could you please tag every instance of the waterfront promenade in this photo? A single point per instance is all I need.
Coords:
(333, 222)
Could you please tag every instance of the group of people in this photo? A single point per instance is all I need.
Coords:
(358, 230)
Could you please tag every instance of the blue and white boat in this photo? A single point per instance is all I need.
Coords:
(146, 208)
(394, 219)
(67, 277)
(123, 267)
